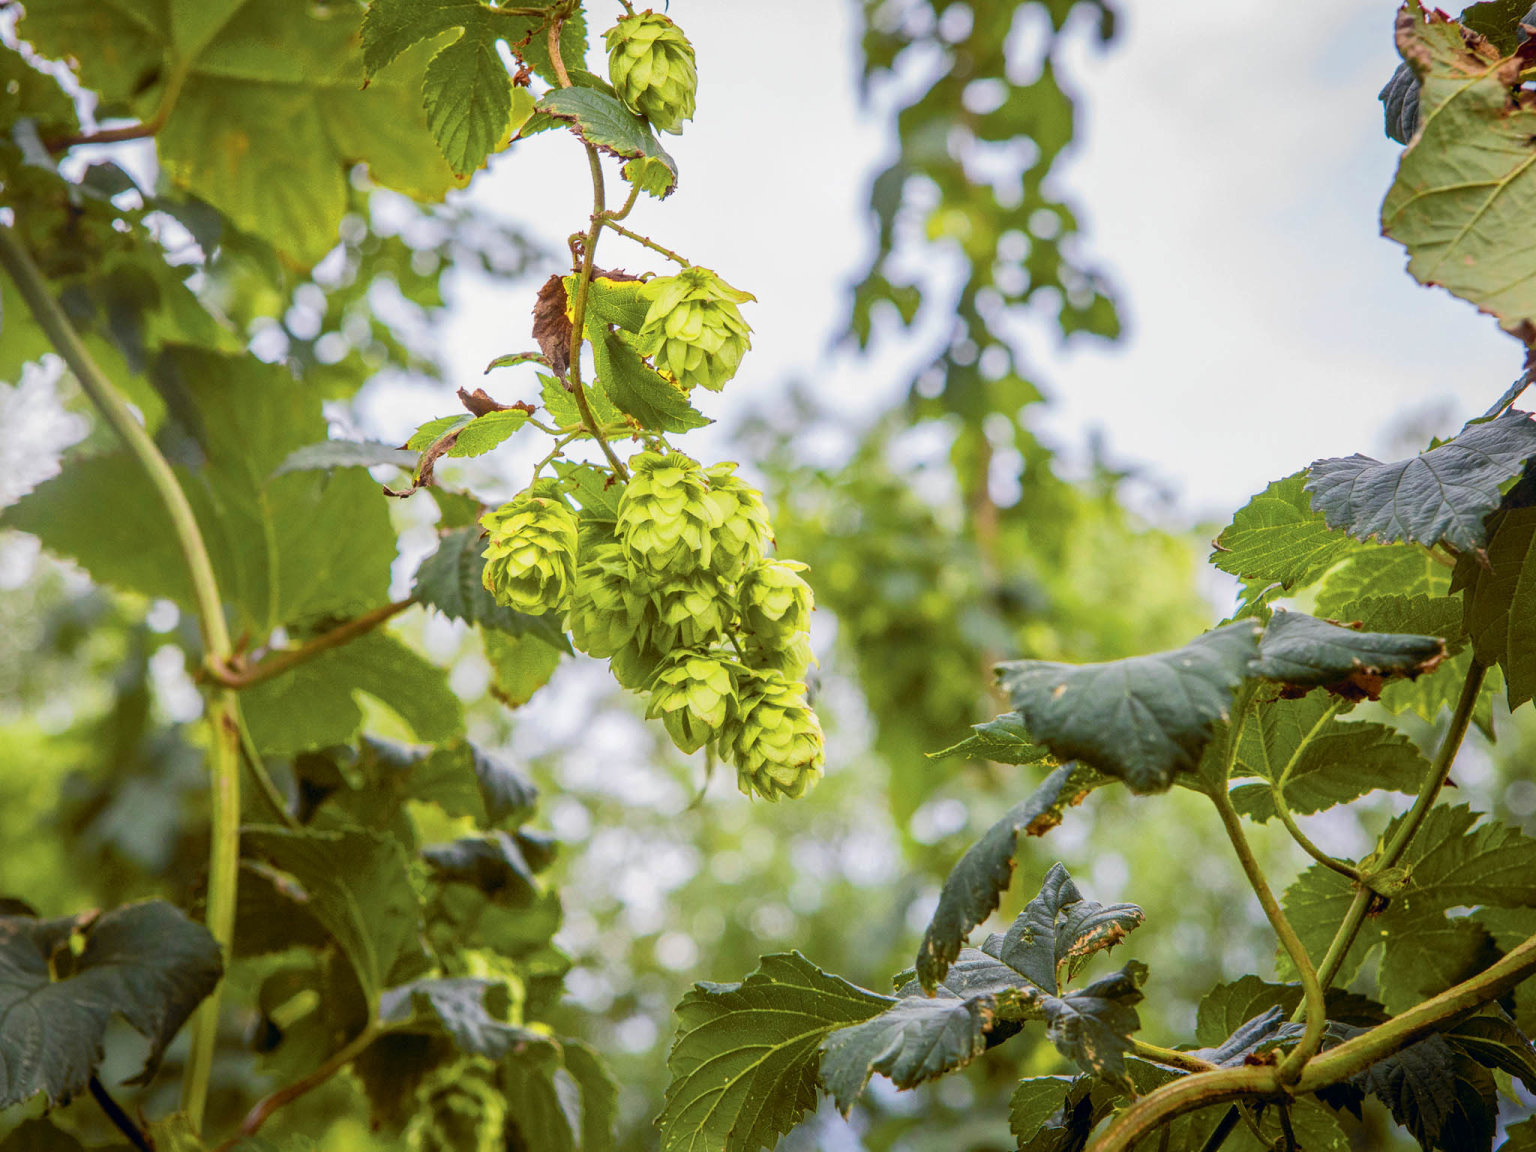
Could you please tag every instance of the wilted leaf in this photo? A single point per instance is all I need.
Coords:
(64, 980)
(1143, 719)
(1442, 494)
(1092, 1027)
(1302, 651)
(552, 327)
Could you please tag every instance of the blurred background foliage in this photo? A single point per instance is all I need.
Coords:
(943, 536)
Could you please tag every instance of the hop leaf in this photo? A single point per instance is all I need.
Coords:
(693, 692)
(744, 530)
(652, 68)
(693, 330)
(775, 602)
(530, 555)
(459, 1110)
(666, 519)
(774, 740)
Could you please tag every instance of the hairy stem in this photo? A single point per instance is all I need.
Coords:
(1170, 1057)
(279, 662)
(647, 242)
(263, 1109)
(224, 736)
(1312, 991)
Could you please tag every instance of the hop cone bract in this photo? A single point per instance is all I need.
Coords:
(530, 554)
(609, 604)
(666, 521)
(775, 602)
(693, 329)
(652, 68)
(744, 530)
(774, 739)
(693, 692)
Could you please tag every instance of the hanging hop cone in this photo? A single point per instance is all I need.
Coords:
(693, 330)
(744, 530)
(775, 602)
(790, 656)
(651, 65)
(609, 605)
(666, 520)
(774, 739)
(693, 692)
(530, 554)
(688, 611)
(459, 1109)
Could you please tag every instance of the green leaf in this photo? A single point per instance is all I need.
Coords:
(472, 107)
(1463, 189)
(1375, 571)
(1002, 740)
(470, 1012)
(1491, 1038)
(1500, 600)
(599, 1094)
(975, 886)
(345, 454)
(1227, 1007)
(638, 389)
(745, 1058)
(315, 704)
(1143, 719)
(602, 121)
(594, 490)
(1305, 652)
(1442, 494)
(41, 1136)
(916, 1039)
(65, 979)
(1059, 930)
(1437, 1092)
(520, 665)
(436, 429)
(1037, 1104)
(449, 580)
(465, 781)
(612, 300)
(1277, 538)
(1499, 20)
(535, 1086)
(357, 886)
(1323, 761)
(493, 863)
(483, 433)
(1092, 1027)
(1520, 1137)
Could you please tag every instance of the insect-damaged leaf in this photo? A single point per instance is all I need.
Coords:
(1003, 740)
(1442, 494)
(1465, 189)
(1059, 930)
(745, 1058)
(1092, 1027)
(976, 884)
(1302, 651)
(1143, 719)
(65, 979)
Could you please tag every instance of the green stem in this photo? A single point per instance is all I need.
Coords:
(1512, 393)
(634, 194)
(139, 131)
(648, 242)
(1312, 991)
(279, 662)
(1283, 809)
(1461, 719)
(224, 735)
(258, 770)
(1171, 1057)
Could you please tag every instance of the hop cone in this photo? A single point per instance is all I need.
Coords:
(693, 692)
(693, 330)
(744, 529)
(651, 65)
(666, 519)
(775, 601)
(609, 605)
(459, 1109)
(530, 555)
(688, 611)
(774, 740)
(789, 656)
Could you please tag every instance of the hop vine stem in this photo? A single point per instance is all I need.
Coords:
(222, 709)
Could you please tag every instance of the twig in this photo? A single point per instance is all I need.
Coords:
(123, 1122)
(263, 1109)
(1283, 808)
(648, 242)
(279, 662)
(1171, 1057)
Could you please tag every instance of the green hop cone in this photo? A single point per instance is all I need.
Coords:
(744, 530)
(609, 604)
(693, 692)
(790, 656)
(688, 611)
(666, 520)
(775, 602)
(693, 330)
(459, 1109)
(774, 739)
(651, 65)
(530, 554)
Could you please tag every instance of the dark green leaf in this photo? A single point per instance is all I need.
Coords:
(1305, 652)
(1092, 1027)
(1499, 20)
(41, 1136)
(1400, 104)
(745, 1058)
(602, 121)
(1277, 537)
(599, 1094)
(916, 1039)
(1491, 1038)
(1441, 1095)
(1520, 1137)
(357, 887)
(64, 980)
(472, 1013)
(1500, 599)
(1143, 719)
(1038, 1104)
(976, 884)
(1227, 1007)
(1002, 740)
(449, 580)
(493, 863)
(1059, 930)
(638, 389)
(534, 1084)
(345, 454)
(1442, 494)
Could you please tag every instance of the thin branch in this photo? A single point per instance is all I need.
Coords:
(1283, 809)
(141, 131)
(279, 662)
(224, 744)
(1170, 1057)
(648, 242)
(629, 204)
(120, 1119)
(263, 1109)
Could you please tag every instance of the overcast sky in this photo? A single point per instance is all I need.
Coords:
(1229, 168)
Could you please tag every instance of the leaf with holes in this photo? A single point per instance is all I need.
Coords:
(1144, 719)
(1059, 930)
